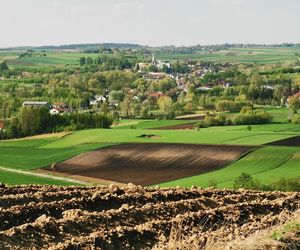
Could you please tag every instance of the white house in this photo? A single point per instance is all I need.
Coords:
(54, 111)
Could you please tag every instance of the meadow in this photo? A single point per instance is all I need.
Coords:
(264, 163)
(255, 55)
(263, 55)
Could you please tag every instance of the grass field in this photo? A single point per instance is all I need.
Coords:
(54, 58)
(263, 55)
(265, 164)
(147, 124)
(17, 179)
(258, 55)
(204, 136)
(32, 153)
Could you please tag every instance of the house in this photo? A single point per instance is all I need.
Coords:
(60, 105)
(54, 111)
(99, 99)
(156, 75)
(204, 88)
(143, 66)
(33, 104)
(136, 98)
(295, 95)
(156, 95)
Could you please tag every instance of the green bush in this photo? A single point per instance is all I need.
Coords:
(252, 117)
(231, 106)
(296, 119)
(292, 184)
(246, 181)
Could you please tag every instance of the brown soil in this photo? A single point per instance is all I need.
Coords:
(177, 127)
(292, 142)
(150, 163)
(191, 117)
(40, 217)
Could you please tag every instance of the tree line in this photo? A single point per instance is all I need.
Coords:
(34, 121)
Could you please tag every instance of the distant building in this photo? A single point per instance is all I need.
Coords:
(156, 75)
(99, 99)
(156, 95)
(36, 104)
(160, 64)
(54, 111)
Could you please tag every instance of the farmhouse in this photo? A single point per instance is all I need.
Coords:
(156, 95)
(54, 111)
(36, 104)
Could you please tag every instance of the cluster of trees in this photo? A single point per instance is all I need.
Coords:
(33, 121)
(109, 62)
(246, 181)
(231, 106)
(247, 116)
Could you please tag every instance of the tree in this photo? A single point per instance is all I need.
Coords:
(244, 181)
(3, 66)
(89, 61)
(165, 105)
(82, 61)
(294, 103)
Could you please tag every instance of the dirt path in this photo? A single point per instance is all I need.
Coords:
(43, 175)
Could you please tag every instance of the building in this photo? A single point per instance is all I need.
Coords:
(155, 95)
(32, 104)
(54, 111)
(160, 64)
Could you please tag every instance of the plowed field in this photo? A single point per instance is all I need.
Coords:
(40, 217)
(292, 142)
(150, 163)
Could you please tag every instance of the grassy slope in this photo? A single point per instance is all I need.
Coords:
(266, 164)
(216, 135)
(147, 124)
(21, 179)
(29, 154)
(33, 153)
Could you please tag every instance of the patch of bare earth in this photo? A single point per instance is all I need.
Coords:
(48, 217)
(150, 163)
(292, 142)
(187, 126)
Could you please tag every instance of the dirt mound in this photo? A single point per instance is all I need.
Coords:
(37, 217)
(150, 163)
(292, 142)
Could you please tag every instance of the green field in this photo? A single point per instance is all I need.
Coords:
(17, 179)
(148, 124)
(216, 135)
(265, 164)
(257, 55)
(52, 58)
(30, 154)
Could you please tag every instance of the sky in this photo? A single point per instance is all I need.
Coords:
(148, 22)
